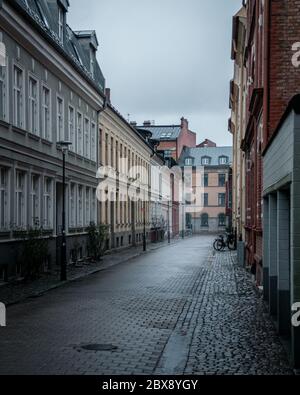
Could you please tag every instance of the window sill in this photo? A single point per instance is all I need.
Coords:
(4, 123)
(33, 136)
(19, 130)
(46, 142)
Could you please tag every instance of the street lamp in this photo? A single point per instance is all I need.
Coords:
(64, 146)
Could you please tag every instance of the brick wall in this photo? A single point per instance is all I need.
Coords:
(186, 138)
(284, 77)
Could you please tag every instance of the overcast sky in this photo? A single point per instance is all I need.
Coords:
(164, 59)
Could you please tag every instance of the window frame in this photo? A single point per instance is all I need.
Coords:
(6, 190)
(4, 77)
(19, 123)
(72, 136)
(49, 137)
(48, 196)
(60, 134)
(33, 127)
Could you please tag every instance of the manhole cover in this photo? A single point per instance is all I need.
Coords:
(99, 347)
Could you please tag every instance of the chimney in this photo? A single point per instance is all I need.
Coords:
(147, 124)
(184, 123)
(107, 94)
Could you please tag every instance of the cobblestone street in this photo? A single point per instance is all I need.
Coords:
(178, 309)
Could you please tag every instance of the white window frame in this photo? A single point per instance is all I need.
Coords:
(93, 206)
(87, 139)
(80, 200)
(4, 198)
(5, 92)
(79, 127)
(60, 119)
(223, 160)
(48, 200)
(87, 205)
(72, 127)
(45, 108)
(205, 161)
(20, 123)
(20, 198)
(72, 206)
(35, 200)
(33, 123)
(93, 142)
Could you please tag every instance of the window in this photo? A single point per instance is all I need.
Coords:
(205, 161)
(205, 199)
(168, 154)
(18, 97)
(222, 199)
(79, 134)
(204, 220)
(77, 54)
(87, 206)
(189, 162)
(71, 121)
(60, 119)
(60, 24)
(3, 93)
(206, 180)
(80, 205)
(223, 160)
(222, 220)
(92, 64)
(48, 203)
(33, 115)
(72, 220)
(4, 198)
(87, 146)
(37, 3)
(20, 199)
(222, 180)
(93, 206)
(46, 113)
(35, 200)
(94, 143)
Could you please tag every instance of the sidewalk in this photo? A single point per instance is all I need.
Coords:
(12, 293)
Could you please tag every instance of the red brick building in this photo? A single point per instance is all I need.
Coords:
(272, 80)
(172, 138)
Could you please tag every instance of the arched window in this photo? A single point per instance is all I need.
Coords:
(222, 220)
(204, 220)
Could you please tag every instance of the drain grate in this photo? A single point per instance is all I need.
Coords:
(99, 347)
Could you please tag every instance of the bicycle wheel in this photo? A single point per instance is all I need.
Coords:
(231, 245)
(218, 245)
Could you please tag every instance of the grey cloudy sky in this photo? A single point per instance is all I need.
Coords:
(164, 59)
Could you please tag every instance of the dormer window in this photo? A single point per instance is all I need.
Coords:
(223, 160)
(92, 66)
(41, 13)
(205, 161)
(60, 24)
(189, 162)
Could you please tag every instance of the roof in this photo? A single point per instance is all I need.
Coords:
(42, 14)
(214, 153)
(163, 133)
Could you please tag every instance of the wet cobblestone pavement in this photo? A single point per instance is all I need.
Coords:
(175, 310)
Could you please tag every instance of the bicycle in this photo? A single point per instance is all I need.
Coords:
(224, 241)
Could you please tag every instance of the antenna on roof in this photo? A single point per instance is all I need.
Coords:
(128, 119)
